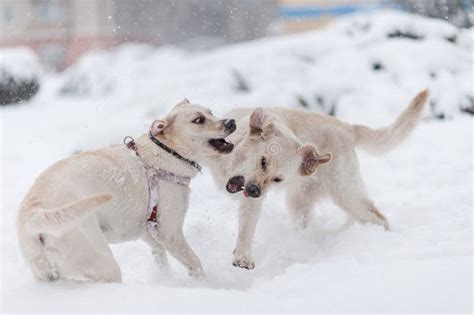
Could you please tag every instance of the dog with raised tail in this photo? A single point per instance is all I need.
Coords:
(310, 156)
(120, 193)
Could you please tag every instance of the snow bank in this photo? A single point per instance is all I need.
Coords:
(21, 63)
(20, 74)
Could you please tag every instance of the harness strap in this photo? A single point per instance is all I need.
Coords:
(158, 173)
(153, 175)
(152, 216)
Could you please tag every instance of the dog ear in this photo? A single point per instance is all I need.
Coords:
(260, 123)
(311, 159)
(183, 102)
(158, 126)
(257, 120)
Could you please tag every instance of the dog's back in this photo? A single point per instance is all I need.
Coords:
(327, 132)
(68, 197)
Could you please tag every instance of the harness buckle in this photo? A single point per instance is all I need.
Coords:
(130, 143)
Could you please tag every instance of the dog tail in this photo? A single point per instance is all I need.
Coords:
(383, 140)
(57, 220)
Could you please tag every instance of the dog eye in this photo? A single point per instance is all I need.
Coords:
(264, 163)
(199, 120)
(277, 180)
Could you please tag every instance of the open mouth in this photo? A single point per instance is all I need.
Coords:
(235, 184)
(221, 146)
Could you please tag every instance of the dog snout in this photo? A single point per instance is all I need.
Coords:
(235, 184)
(253, 190)
(229, 125)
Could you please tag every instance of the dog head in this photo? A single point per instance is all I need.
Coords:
(194, 132)
(271, 153)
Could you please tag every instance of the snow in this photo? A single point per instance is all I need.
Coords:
(334, 65)
(424, 187)
(19, 62)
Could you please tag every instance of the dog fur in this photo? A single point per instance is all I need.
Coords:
(81, 204)
(310, 156)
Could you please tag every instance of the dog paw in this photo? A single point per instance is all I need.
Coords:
(197, 273)
(161, 261)
(244, 262)
(53, 275)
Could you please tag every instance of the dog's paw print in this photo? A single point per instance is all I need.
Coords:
(244, 262)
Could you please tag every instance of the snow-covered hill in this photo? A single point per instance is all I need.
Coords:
(360, 59)
(364, 69)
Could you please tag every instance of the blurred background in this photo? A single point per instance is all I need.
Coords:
(60, 31)
(239, 51)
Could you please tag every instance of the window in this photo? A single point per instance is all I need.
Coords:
(8, 15)
(49, 11)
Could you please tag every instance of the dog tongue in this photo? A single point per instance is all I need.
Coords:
(246, 194)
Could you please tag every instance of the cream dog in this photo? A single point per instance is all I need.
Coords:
(293, 148)
(81, 204)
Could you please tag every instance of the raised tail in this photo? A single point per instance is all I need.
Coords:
(383, 140)
(59, 219)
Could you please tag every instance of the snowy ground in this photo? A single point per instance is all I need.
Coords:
(424, 187)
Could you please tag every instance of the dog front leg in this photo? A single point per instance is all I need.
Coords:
(177, 246)
(158, 250)
(249, 214)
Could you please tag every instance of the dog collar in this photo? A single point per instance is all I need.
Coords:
(153, 172)
(173, 152)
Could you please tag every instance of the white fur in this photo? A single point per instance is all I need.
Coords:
(289, 138)
(81, 204)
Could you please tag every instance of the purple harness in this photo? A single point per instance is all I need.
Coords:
(154, 175)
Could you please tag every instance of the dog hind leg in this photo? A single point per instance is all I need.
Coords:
(83, 254)
(360, 208)
(300, 200)
(348, 192)
(104, 269)
(43, 269)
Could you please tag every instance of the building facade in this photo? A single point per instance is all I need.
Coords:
(60, 31)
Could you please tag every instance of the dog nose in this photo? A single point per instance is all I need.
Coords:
(230, 125)
(253, 191)
(235, 184)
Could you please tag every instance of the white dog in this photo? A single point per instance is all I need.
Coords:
(120, 193)
(287, 147)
